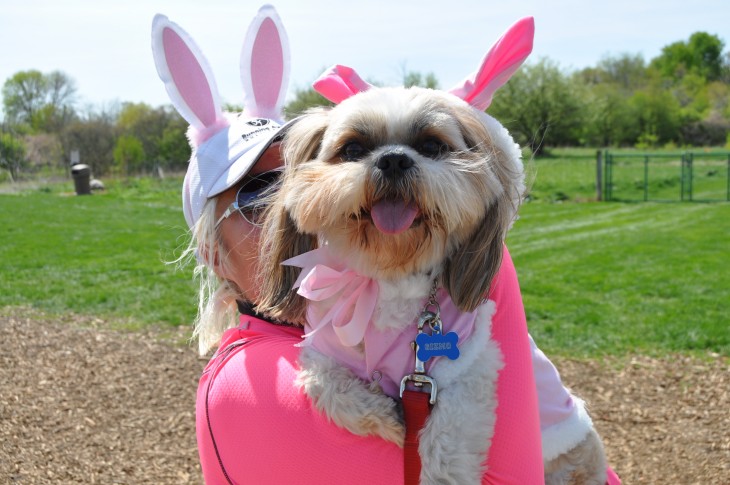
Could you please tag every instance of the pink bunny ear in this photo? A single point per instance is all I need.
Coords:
(265, 65)
(188, 79)
(339, 83)
(505, 57)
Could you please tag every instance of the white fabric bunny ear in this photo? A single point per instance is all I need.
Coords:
(265, 65)
(225, 145)
(188, 79)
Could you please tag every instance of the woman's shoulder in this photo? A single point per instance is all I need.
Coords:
(250, 408)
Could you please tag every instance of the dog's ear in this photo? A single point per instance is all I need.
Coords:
(280, 241)
(469, 272)
(303, 139)
(280, 237)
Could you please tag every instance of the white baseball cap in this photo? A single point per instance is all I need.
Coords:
(225, 146)
(222, 160)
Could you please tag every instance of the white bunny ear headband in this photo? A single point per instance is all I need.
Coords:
(225, 145)
(503, 59)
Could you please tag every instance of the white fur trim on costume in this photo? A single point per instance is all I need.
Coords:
(504, 141)
(458, 434)
(564, 436)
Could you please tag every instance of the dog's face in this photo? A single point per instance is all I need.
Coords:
(401, 181)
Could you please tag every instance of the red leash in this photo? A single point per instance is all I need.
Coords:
(417, 405)
(416, 408)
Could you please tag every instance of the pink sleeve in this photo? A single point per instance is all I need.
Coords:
(515, 456)
(255, 426)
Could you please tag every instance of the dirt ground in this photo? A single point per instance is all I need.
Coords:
(83, 404)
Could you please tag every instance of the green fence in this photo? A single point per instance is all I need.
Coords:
(688, 176)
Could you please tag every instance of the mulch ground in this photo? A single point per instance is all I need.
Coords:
(83, 404)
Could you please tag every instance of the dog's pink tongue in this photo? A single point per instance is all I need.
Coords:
(393, 216)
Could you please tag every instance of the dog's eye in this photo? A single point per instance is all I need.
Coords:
(353, 151)
(433, 148)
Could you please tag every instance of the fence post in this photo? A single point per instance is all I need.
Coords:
(599, 175)
(682, 177)
(646, 178)
(690, 167)
(608, 177)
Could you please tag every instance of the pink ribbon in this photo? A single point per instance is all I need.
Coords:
(351, 297)
(339, 83)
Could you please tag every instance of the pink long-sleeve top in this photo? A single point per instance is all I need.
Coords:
(255, 426)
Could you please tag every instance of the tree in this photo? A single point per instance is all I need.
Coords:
(12, 154)
(45, 102)
(609, 119)
(304, 99)
(146, 124)
(657, 114)
(413, 78)
(161, 131)
(701, 55)
(628, 72)
(540, 107)
(128, 154)
(44, 150)
(174, 148)
(94, 138)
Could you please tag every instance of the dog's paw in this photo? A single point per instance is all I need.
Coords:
(347, 401)
(380, 417)
(585, 464)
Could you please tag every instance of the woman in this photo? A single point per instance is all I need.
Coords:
(255, 426)
(253, 423)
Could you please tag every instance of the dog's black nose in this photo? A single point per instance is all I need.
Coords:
(394, 164)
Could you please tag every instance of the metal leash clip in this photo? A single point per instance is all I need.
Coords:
(419, 377)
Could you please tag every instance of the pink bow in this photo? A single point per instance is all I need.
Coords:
(339, 83)
(348, 297)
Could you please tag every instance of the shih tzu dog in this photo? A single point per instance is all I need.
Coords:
(395, 203)
(407, 187)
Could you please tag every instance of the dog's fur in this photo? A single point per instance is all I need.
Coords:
(463, 172)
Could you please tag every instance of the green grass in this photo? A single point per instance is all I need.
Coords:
(562, 175)
(103, 254)
(621, 278)
(597, 278)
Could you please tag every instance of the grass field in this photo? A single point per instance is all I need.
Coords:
(614, 278)
(101, 254)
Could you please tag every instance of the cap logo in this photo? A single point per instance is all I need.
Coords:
(258, 122)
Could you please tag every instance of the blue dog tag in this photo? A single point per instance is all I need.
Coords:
(436, 345)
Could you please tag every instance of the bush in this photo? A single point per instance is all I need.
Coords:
(709, 132)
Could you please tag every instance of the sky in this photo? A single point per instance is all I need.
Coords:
(104, 46)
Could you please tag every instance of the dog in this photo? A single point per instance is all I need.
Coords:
(409, 186)
(406, 194)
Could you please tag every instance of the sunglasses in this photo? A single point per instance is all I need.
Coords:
(250, 199)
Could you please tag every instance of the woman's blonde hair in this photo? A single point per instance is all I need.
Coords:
(217, 308)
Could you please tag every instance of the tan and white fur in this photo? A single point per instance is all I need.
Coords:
(451, 180)
(463, 173)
